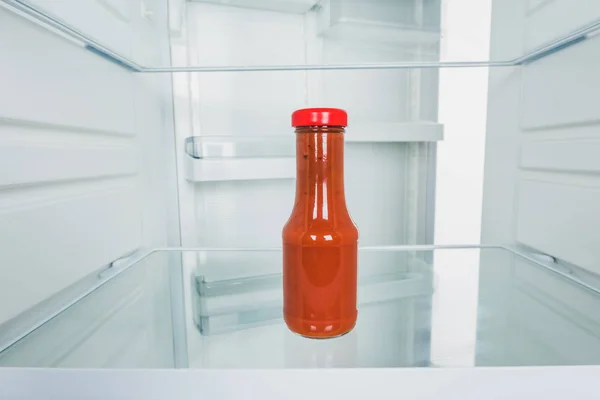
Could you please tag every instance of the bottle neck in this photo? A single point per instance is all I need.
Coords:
(320, 169)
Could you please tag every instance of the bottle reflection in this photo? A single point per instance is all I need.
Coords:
(340, 352)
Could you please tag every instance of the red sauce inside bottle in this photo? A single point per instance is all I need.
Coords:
(320, 239)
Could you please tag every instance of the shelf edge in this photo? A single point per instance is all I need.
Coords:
(236, 169)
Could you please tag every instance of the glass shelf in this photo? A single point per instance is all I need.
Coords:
(419, 306)
(270, 35)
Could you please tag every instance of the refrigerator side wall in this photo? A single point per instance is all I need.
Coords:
(542, 182)
(542, 187)
(85, 148)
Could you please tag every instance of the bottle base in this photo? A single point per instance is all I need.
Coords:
(323, 337)
(320, 329)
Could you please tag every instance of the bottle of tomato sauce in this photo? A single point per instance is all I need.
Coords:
(320, 240)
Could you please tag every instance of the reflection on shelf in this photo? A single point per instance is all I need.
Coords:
(249, 302)
(408, 33)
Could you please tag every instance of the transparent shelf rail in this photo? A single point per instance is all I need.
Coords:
(419, 306)
(271, 35)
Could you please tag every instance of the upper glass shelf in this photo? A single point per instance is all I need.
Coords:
(419, 306)
(270, 35)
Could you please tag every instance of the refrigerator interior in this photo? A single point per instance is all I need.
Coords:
(129, 126)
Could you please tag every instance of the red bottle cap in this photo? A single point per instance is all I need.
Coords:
(320, 117)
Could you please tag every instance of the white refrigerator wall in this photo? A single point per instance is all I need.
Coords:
(88, 169)
(542, 187)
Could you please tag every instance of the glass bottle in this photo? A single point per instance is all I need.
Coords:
(320, 240)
